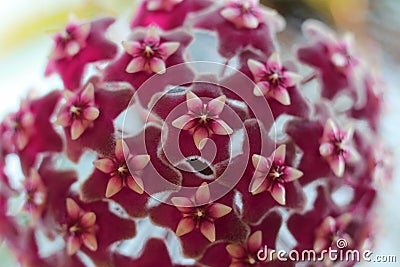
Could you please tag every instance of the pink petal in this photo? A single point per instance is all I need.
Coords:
(73, 245)
(330, 129)
(280, 155)
(135, 184)
(91, 113)
(72, 48)
(139, 162)
(326, 149)
(254, 242)
(186, 225)
(278, 193)
(327, 227)
(88, 219)
(261, 89)
(73, 209)
(230, 13)
(168, 48)
(121, 150)
(114, 185)
(236, 251)
(351, 154)
(132, 48)
(257, 69)
(77, 129)
(157, 65)
(292, 174)
(292, 78)
(207, 228)
(337, 165)
(152, 35)
(87, 94)
(260, 163)
(250, 21)
(220, 127)
(21, 140)
(105, 165)
(258, 186)
(281, 95)
(320, 244)
(63, 118)
(183, 204)
(202, 194)
(217, 210)
(90, 241)
(184, 122)
(136, 64)
(200, 136)
(274, 59)
(215, 106)
(194, 103)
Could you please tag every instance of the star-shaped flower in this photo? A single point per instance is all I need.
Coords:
(272, 173)
(331, 230)
(246, 254)
(273, 80)
(149, 54)
(19, 127)
(35, 195)
(335, 147)
(246, 13)
(203, 119)
(81, 228)
(79, 112)
(197, 215)
(118, 168)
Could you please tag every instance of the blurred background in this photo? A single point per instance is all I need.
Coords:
(25, 41)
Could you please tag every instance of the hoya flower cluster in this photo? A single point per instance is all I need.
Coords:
(279, 148)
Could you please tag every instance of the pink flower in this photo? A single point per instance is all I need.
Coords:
(71, 40)
(246, 13)
(156, 5)
(335, 147)
(273, 79)
(203, 119)
(118, 169)
(35, 195)
(331, 230)
(79, 112)
(197, 215)
(150, 54)
(19, 127)
(80, 228)
(272, 173)
(246, 254)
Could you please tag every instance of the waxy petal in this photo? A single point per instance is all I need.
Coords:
(200, 136)
(136, 64)
(87, 94)
(121, 150)
(132, 48)
(202, 194)
(326, 149)
(281, 95)
(73, 209)
(220, 127)
(63, 118)
(185, 226)
(168, 48)
(105, 165)
(91, 113)
(261, 89)
(275, 59)
(278, 193)
(260, 163)
(292, 174)
(292, 78)
(280, 155)
(90, 241)
(330, 129)
(207, 228)
(152, 35)
(337, 165)
(135, 184)
(88, 219)
(183, 204)
(230, 13)
(254, 242)
(114, 185)
(77, 129)
(194, 103)
(157, 65)
(73, 245)
(236, 251)
(351, 154)
(257, 69)
(259, 185)
(217, 210)
(320, 244)
(139, 162)
(250, 21)
(184, 122)
(215, 106)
